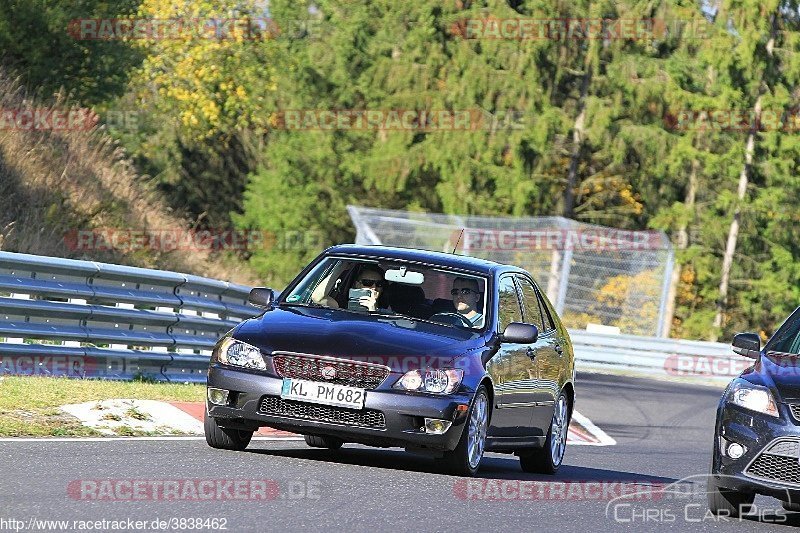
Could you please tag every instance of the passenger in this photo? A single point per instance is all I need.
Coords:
(466, 295)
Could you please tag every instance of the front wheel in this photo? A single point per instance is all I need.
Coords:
(791, 507)
(465, 459)
(225, 438)
(547, 460)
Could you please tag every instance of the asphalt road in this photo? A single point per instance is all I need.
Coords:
(663, 433)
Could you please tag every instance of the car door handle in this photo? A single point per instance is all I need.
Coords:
(559, 349)
(531, 352)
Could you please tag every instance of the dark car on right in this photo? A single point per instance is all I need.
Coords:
(757, 435)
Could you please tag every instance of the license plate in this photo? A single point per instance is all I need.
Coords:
(324, 393)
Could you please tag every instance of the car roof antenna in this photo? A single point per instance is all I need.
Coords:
(459, 240)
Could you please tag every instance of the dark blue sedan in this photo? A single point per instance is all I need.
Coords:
(757, 434)
(440, 354)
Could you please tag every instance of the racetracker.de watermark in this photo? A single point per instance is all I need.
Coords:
(47, 119)
(229, 489)
(595, 239)
(573, 490)
(180, 239)
(48, 365)
(578, 29)
(415, 120)
(781, 364)
(183, 28)
(733, 120)
(705, 365)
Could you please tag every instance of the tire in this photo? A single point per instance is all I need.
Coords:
(225, 438)
(331, 443)
(791, 507)
(727, 502)
(548, 459)
(465, 459)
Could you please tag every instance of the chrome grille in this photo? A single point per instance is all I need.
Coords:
(795, 409)
(277, 406)
(779, 462)
(351, 373)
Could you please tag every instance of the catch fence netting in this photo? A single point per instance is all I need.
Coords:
(593, 275)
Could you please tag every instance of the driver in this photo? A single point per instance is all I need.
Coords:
(466, 295)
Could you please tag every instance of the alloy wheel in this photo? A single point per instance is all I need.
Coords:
(559, 429)
(476, 437)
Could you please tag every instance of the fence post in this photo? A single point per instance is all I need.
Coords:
(564, 281)
(665, 322)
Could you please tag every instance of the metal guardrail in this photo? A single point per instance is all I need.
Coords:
(89, 319)
(83, 318)
(656, 357)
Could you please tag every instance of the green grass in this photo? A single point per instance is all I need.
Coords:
(29, 405)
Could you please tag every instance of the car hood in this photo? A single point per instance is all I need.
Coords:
(400, 343)
(781, 373)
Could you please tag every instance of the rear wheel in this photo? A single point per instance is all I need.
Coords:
(225, 438)
(728, 502)
(315, 441)
(547, 460)
(465, 459)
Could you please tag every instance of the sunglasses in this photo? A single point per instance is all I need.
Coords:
(465, 291)
(378, 283)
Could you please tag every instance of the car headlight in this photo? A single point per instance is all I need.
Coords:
(437, 381)
(753, 397)
(238, 353)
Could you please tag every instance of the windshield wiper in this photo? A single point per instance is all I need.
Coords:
(304, 304)
(782, 354)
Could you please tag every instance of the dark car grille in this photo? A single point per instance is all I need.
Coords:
(795, 409)
(351, 373)
(778, 462)
(277, 406)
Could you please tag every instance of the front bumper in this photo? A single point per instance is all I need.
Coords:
(403, 412)
(759, 469)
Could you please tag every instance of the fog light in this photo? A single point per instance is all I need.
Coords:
(735, 450)
(434, 426)
(218, 396)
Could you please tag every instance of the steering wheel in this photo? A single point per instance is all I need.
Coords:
(461, 318)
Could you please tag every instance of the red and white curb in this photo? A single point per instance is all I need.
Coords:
(583, 432)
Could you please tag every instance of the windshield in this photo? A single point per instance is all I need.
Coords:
(394, 288)
(787, 338)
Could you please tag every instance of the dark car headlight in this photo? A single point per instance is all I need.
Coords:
(237, 353)
(437, 381)
(752, 397)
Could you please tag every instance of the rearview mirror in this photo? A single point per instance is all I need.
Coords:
(519, 333)
(747, 344)
(261, 297)
(403, 275)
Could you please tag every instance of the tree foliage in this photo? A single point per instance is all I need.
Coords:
(612, 131)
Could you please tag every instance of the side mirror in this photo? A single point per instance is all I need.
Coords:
(261, 297)
(519, 333)
(747, 344)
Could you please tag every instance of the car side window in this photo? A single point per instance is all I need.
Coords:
(530, 305)
(508, 302)
(547, 311)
